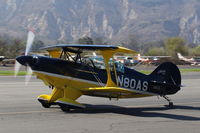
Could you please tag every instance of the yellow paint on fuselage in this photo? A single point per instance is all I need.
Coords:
(63, 82)
(86, 88)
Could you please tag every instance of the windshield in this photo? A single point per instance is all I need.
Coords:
(98, 62)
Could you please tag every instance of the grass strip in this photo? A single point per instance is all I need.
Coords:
(11, 73)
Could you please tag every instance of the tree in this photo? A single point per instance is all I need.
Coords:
(37, 45)
(195, 51)
(85, 40)
(175, 45)
(11, 47)
(16, 48)
(3, 48)
(154, 44)
(132, 42)
(156, 51)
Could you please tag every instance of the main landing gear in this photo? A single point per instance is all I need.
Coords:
(171, 105)
(45, 103)
(63, 107)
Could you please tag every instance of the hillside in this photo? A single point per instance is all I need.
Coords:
(68, 20)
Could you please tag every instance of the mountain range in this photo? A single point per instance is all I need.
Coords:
(115, 20)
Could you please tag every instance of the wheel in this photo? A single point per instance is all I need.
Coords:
(64, 108)
(44, 103)
(171, 105)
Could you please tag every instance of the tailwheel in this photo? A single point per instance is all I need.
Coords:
(64, 107)
(44, 103)
(171, 104)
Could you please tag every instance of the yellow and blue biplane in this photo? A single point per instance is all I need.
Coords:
(71, 73)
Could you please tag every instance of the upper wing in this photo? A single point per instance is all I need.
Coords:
(55, 50)
(80, 46)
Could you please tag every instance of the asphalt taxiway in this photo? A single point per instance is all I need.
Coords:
(20, 112)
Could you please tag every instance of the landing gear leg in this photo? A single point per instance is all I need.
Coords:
(171, 105)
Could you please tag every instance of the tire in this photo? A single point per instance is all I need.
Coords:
(44, 103)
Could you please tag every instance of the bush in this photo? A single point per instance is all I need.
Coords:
(11, 48)
(175, 45)
(156, 51)
(195, 51)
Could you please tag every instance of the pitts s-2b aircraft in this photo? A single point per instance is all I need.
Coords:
(71, 74)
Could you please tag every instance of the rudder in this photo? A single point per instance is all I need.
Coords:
(167, 75)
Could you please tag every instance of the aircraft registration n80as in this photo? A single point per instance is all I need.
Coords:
(71, 73)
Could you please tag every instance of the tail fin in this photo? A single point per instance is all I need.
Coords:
(181, 57)
(167, 75)
(139, 57)
(167, 72)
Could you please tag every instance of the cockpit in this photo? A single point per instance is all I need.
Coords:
(90, 58)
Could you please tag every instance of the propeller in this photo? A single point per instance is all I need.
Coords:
(28, 75)
(17, 67)
(30, 40)
(29, 43)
